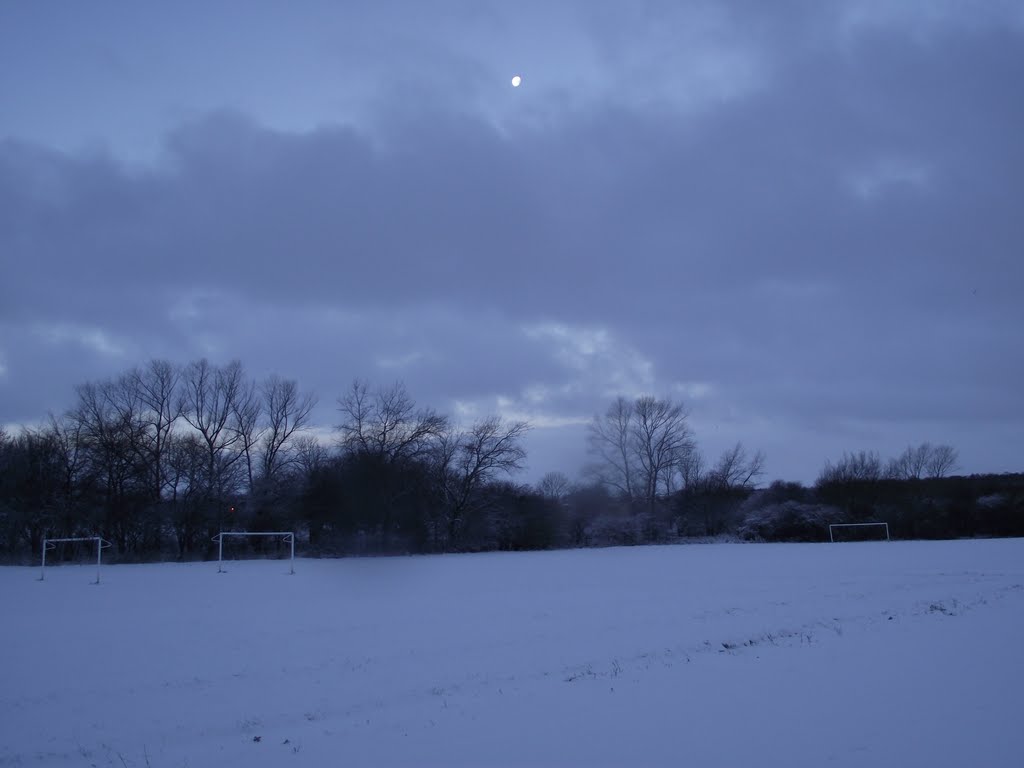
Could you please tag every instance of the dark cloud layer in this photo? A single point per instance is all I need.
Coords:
(820, 252)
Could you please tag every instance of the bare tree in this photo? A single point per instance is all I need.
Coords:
(691, 469)
(186, 466)
(641, 447)
(466, 461)
(942, 461)
(310, 454)
(387, 424)
(155, 387)
(188, 488)
(489, 447)
(853, 467)
(554, 486)
(287, 413)
(106, 425)
(712, 497)
(246, 416)
(208, 403)
(736, 469)
(924, 460)
(911, 464)
(67, 436)
(854, 484)
(108, 421)
(661, 438)
(610, 441)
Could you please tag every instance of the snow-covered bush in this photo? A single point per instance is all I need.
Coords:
(789, 521)
(992, 501)
(622, 529)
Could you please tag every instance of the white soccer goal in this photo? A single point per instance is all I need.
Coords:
(831, 535)
(50, 544)
(287, 536)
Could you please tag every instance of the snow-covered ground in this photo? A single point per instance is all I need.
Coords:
(877, 654)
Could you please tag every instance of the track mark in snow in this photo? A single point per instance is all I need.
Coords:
(807, 634)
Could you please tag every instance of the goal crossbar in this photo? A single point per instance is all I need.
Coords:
(51, 544)
(855, 525)
(287, 536)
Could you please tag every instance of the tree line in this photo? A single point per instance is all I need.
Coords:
(161, 458)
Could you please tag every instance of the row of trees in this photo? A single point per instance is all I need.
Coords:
(647, 462)
(914, 493)
(164, 457)
(924, 461)
(153, 449)
(161, 458)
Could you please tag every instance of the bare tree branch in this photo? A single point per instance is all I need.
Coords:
(942, 461)
(208, 403)
(287, 414)
(387, 424)
(640, 447)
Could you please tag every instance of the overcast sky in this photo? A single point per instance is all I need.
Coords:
(803, 219)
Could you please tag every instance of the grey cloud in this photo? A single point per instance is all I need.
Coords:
(830, 240)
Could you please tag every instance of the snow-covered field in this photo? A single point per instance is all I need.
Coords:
(901, 654)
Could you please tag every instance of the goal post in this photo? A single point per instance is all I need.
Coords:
(287, 536)
(50, 544)
(832, 526)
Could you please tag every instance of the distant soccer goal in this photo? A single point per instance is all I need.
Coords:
(881, 527)
(287, 536)
(51, 544)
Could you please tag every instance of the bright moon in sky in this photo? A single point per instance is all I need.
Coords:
(516, 81)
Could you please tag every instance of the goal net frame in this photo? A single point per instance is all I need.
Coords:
(50, 544)
(287, 536)
(832, 539)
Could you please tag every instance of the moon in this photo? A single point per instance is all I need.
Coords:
(516, 81)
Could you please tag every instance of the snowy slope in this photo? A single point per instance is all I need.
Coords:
(880, 654)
